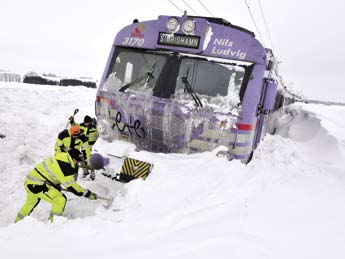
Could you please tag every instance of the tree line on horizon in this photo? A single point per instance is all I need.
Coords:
(41, 80)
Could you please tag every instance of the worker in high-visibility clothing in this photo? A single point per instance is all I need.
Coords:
(90, 131)
(45, 180)
(73, 138)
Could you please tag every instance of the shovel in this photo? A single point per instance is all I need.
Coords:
(74, 113)
(109, 201)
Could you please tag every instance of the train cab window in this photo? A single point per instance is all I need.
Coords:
(210, 79)
(137, 72)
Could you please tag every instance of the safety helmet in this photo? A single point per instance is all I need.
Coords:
(75, 130)
(98, 161)
(87, 119)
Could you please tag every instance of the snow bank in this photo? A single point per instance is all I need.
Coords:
(317, 130)
(289, 202)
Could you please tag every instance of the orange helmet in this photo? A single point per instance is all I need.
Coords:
(75, 130)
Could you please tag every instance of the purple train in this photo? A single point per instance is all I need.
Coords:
(188, 84)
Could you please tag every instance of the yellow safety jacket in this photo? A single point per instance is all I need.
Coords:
(90, 132)
(57, 170)
(66, 142)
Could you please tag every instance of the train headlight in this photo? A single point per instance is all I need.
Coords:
(188, 26)
(172, 25)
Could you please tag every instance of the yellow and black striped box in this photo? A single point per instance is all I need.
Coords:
(132, 169)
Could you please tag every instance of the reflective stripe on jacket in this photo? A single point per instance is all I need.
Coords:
(91, 133)
(66, 142)
(56, 170)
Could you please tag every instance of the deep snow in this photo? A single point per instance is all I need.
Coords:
(289, 202)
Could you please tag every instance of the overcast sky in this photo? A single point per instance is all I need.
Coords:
(73, 37)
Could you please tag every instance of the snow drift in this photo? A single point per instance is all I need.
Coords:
(289, 202)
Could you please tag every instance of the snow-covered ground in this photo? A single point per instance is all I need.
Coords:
(289, 202)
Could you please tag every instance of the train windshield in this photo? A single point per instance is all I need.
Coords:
(215, 83)
(165, 74)
(210, 78)
(137, 71)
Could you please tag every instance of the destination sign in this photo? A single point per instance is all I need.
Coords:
(186, 41)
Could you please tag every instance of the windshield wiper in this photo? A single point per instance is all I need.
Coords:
(191, 91)
(148, 75)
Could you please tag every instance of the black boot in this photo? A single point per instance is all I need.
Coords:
(92, 175)
(85, 172)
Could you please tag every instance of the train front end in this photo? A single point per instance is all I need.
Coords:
(182, 85)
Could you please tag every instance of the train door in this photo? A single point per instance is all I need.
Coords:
(265, 107)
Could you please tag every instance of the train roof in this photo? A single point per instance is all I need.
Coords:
(213, 37)
(224, 22)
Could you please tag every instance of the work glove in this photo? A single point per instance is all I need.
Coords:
(92, 197)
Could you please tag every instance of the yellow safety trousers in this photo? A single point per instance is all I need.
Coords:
(53, 196)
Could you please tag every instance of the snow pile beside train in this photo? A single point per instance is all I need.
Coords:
(316, 128)
(286, 203)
